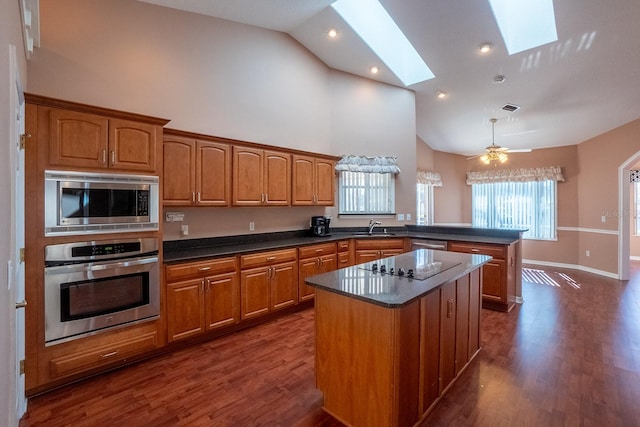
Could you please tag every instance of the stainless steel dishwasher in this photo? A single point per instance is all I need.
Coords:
(440, 245)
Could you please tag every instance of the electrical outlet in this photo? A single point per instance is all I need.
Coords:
(588, 253)
(252, 226)
(604, 218)
(184, 229)
(400, 217)
(408, 217)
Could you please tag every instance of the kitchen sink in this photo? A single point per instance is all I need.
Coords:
(374, 234)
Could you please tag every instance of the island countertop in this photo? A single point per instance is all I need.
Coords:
(366, 282)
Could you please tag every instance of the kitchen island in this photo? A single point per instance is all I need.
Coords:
(390, 341)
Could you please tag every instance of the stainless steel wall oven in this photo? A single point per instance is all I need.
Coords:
(96, 285)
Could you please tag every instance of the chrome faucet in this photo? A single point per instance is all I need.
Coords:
(372, 224)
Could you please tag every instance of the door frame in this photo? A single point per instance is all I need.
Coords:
(624, 222)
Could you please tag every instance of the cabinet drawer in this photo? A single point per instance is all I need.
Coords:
(496, 251)
(102, 355)
(267, 258)
(343, 246)
(343, 260)
(202, 268)
(379, 244)
(317, 250)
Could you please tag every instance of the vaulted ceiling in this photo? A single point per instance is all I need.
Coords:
(582, 85)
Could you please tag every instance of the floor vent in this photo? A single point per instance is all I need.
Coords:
(510, 107)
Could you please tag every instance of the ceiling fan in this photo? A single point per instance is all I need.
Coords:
(495, 152)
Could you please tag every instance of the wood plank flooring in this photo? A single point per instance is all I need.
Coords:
(568, 356)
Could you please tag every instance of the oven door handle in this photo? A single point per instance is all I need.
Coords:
(100, 266)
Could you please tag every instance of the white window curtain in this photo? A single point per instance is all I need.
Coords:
(425, 181)
(516, 199)
(367, 185)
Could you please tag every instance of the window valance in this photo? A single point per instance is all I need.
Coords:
(552, 173)
(429, 178)
(352, 163)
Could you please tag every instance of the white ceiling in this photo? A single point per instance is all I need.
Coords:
(586, 83)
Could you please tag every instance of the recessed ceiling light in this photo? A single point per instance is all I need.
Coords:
(485, 47)
(441, 94)
(499, 79)
(332, 33)
(374, 70)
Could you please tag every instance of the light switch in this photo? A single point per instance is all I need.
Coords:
(184, 230)
(408, 217)
(400, 217)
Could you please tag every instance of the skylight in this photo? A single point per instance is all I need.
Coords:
(376, 28)
(525, 24)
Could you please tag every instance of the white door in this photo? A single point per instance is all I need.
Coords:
(16, 266)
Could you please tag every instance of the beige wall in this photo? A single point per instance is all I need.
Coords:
(589, 192)
(10, 34)
(221, 78)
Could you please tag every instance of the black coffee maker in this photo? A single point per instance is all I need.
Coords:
(320, 225)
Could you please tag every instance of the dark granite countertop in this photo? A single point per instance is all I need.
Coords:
(196, 249)
(393, 291)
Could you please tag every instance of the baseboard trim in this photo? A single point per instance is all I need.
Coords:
(574, 267)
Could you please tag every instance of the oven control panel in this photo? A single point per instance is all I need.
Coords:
(108, 249)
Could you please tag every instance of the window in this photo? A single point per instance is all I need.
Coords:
(514, 205)
(367, 193)
(424, 204)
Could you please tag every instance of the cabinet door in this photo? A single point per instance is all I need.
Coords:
(277, 178)
(325, 182)
(248, 177)
(493, 280)
(390, 252)
(213, 174)
(447, 334)
(222, 300)
(78, 139)
(430, 341)
(303, 192)
(133, 145)
(306, 267)
(284, 285)
(185, 309)
(179, 171)
(254, 292)
(462, 322)
(367, 255)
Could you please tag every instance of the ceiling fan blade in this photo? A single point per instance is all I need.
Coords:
(520, 150)
(474, 157)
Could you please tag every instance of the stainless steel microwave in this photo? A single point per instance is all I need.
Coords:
(83, 202)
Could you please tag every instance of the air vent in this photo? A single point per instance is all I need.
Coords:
(510, 107)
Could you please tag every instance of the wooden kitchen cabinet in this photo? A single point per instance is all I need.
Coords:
(313, 181)
(201, 296)
(268, 282)
(345, 258)
(312, 260)
(196, 172)
(498, 276)
(261, 177)
(84, 140)
(371, 249)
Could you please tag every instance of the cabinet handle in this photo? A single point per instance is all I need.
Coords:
(271, 258)
(266, 198)
(202, 286)
(113, 353)
(198, 197)
(319, 251)
(207, 288)
(475, 250)
(449, 307)
(113, 157)
(204, 268)
(193, 197)
(104, 157)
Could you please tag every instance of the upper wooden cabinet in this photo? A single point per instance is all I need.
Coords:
(84, 140)
(261, 177)
(313, 181)
(196, 173)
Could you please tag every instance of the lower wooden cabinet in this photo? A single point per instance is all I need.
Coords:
(367, 250)
(315, 259)
(498, 276)
(268, 282)
(201, 296)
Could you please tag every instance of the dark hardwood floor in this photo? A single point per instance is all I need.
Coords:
(568, 356)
